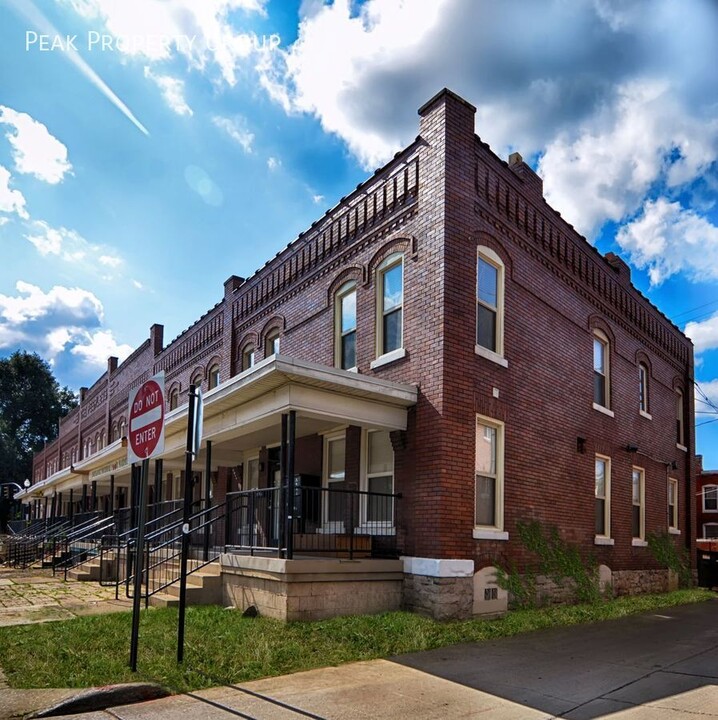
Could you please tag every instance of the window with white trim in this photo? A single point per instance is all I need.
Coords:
(345, 324)
(489, 471)
(710, 498)
(489, 301)
(638, 510)
(213, 377)
(643, 388)
(603, 496)
(390, 304)
(174, 399)
(271, 344)
(680, 435)
(379, 477)
(710, 530)
(251, 477)
(248, 357)
(672, 503)
(601, 369)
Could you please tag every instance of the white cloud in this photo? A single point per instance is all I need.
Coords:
(72, 306)
(98, 346)
(236, 128)
(11, 200)
(273, 163)
(316, 199)
(603, 170)
(70, 246)
(210, 24)
(172, 91)
(110, 260)
(35, 150)
(704, 333)
(60, 320)
(710, 388)
(138, 284)
(667, 239)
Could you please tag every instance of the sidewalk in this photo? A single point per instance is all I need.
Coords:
(30, 596)
(647, 667)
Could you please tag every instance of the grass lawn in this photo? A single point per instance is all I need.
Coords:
(222, 647)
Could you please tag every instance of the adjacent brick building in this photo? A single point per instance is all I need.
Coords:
(706, 502)
(513, 372)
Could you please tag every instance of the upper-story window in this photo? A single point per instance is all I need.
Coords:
(710, 498)
(643, 388)
(122, 428)
(248, 357)
(601, 370)
(213, 377)
(390, 304)
(197, 381)
(680, 432)
(345, 323)
(271, 344)
(174, 399)
(489, 304)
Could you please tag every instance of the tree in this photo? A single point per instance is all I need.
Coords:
(31, 405)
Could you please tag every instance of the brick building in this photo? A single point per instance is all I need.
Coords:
(441, 333)
(706, 501)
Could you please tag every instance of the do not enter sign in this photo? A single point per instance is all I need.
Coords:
(147, 420)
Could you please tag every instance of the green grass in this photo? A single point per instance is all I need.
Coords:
(222, 647)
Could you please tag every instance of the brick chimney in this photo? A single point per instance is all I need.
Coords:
(232, 283)
(534, 182)
(620, 268)
(156, 337)
(111, 364)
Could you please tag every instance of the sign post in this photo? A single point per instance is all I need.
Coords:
(146, 440)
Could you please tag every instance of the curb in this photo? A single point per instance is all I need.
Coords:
(100, 698)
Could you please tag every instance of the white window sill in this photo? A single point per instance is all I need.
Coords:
(646, 415)
(600, 540)
(387, 358)
(603, 410)
(491, 355)
(637, 542)
(708, 512)
(682, 448)
(488, 534)
(375, 529)
(673, 531)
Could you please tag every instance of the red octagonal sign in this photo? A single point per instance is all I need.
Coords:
(147, 420)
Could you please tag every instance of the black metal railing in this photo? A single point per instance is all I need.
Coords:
(324, 521)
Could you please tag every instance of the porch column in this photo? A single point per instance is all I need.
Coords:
(94, 496)
(207, 498)
(84, 497)
(285, 529)
(291, 437)
(112, 494)
(158, 488)
(59, 505)
(44, 511)
(72, 508)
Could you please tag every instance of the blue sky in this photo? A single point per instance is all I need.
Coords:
(135, 177)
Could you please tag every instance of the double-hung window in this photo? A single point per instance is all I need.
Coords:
(710, 498)
(391, 304)
(346, 327)
(490, 305)
(271, 345)
(672, 504)
(680, 432)
(247, 357)
(603, 497)
(213, 377)
(489, 471)
(379, 477)
(638, 521)
(601, 370)
(643, 389)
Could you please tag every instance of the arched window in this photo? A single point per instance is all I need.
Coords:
(390, 305)
(271, 344)
(174, 399)
(197, 381)
(345, 326)
(247, 357)
(643, 401)
(601, 370)
(213, 377)
(103, 439)
(680, 433)
(114, 432)
(490, 274)
(122, 428)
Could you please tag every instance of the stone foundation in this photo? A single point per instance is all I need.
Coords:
(312, 589)
(443, 598)
(638, 582)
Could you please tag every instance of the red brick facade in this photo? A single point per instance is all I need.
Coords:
(706, 502)
(436, 202)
